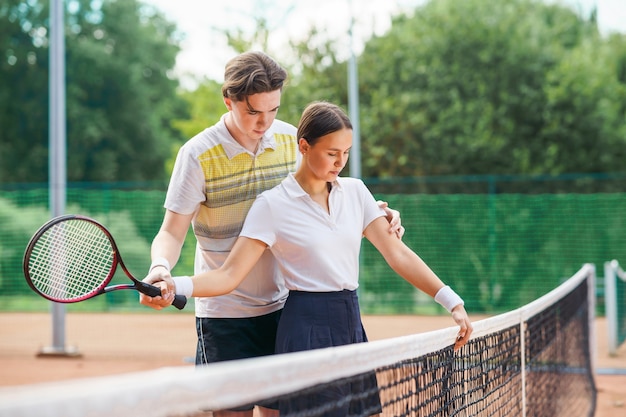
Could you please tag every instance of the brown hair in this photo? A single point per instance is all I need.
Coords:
(321, 118)
(251, 73)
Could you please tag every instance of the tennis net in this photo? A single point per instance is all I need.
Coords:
(533, 361)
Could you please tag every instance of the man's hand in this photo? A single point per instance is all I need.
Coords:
(393, 217)
(161, 278)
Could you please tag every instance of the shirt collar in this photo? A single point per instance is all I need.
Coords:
(294, 189)
(233, 148)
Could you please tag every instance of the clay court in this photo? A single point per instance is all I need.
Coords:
(118, 343)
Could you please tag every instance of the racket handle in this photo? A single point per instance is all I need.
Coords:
(179, 300)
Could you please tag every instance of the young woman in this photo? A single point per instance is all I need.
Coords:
(313, 223)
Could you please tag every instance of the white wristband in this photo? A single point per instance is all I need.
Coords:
(184, 285)
(448, 298)
(160, 261)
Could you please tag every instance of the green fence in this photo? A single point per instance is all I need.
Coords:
(498, 250)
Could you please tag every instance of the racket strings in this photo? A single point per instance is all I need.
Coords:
(71, 260)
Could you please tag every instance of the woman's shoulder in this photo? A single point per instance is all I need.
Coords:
(275, 193)
(355, 187)
(351, 182)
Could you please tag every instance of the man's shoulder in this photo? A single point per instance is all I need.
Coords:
(285, 128)
(205, 139)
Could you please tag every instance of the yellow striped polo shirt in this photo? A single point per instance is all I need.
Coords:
(217, 179)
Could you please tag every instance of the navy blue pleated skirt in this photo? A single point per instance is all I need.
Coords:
(319, 320)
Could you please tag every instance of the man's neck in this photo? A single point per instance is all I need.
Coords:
(249, 144)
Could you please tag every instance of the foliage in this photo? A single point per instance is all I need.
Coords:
(23, 91)
(455, 87)
(499, 251)
(120, 95)
(14, 239)
(584, 127)
(206, 106)
(484, 86)
(317, 75)
(472, 87)
(25, 220)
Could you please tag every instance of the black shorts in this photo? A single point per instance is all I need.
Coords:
(236, 338)
(241, 338)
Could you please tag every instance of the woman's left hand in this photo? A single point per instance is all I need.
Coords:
(465, 326)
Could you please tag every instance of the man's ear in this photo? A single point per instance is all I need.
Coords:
(228, 103)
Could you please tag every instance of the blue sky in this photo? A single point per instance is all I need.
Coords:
(204, 50)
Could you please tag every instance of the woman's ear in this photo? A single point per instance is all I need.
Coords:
(303, 145)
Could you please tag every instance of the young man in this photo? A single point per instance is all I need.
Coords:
(216, 178)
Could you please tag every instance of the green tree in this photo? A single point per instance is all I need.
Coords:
(20, 224)
(584, 113)
(23, 91)
(316, 74)
(205, 106)
(120, 95)
(479, 87)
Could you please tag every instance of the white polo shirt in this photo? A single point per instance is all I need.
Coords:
(316, 251)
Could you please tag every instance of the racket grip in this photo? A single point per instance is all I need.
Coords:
(179, 300)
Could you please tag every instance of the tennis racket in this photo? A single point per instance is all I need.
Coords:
(73, 258)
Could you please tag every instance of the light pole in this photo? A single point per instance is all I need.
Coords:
(57, 155)
(353, 104)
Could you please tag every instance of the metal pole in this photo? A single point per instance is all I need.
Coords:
(610, 304)
(57, 154)
(353, 105)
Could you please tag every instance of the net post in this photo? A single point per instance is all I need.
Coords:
(610, 302)
(522, 328)
(591, 300)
